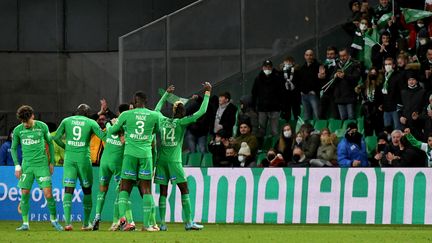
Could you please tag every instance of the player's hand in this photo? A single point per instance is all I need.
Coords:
(122, 139)
(170, 89)
(18, 174)
(51, 168)
(114, 121)
(207, 87)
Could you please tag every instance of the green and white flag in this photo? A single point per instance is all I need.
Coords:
(386, 17)
(172, 98)
(371, 38)
(412, 15)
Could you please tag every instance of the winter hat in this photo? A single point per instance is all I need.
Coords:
(267, 63)
(351, 3)
(351, 126)
(244, 149)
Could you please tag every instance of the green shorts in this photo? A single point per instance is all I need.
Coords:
(169, 171)
(29, 174)
(108, 170)
(134, 168)
(82, 170)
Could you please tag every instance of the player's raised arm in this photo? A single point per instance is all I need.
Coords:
(164, 97)
(59, 134)
(49, 141)
(202, 109)
(116, 127)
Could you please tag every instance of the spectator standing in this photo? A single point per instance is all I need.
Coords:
(197, 132)
(327, 108)
(291, 98)
(371, 100)
(225, 116)
(247, 113)
(267, 93)
(346, 79)
(309, 86)
(383, 50)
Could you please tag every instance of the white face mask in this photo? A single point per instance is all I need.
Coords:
(299, 139)
(287, 66)
(287, 134)
(420, 25)
(241, 158)
(267, 72)
(388, 68)
(363, 26)
(422, 41)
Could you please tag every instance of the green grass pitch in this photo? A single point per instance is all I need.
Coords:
(43, 232)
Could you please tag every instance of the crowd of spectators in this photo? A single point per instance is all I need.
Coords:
(378, 86)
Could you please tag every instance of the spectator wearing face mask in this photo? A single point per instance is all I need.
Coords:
(357, 45)
(267, 93)
(351, 151)
(379, 155)
(385, 49)
(298, 159)
(413, 101)
(353, 21)
(273, 159)
(230, 159)
(244, 157)
(284, 143)
(390, 93)
(291, 99)
(371, 100)
(298, 142)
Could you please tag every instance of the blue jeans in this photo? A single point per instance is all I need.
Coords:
(310, 104)
(391, 118)
(346, 111)
(196, 144)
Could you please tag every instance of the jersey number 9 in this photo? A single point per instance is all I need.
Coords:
(76, 131)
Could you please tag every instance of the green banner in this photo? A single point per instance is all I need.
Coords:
(300, 195)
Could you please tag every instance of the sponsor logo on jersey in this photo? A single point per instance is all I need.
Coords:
(104, 178)
(144, 172)
(29, 141)
(169, 143)
(114, 142)
(44, 178)
(77, 123)
(159, 177)
(86, 183)
(129, 173)
(76, 143)
(173, 178)
(138, 137)
(69, 181)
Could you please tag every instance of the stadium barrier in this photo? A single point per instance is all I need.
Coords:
(272, 195)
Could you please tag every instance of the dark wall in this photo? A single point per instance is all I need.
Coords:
(75, 25)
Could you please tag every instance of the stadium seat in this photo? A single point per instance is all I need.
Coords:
(320, 124)
(371, 143)
(340, 133)
(334, 125)
(194, 159)
(346, 122)
(207, 160)
(360, 124)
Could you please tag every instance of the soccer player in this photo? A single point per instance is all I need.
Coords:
(139, 125)
(32, 135)
(169, 163)
(78, 130)
(111, 163)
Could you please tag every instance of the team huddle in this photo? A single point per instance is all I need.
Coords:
(129, 157)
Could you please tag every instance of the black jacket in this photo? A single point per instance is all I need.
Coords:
(411, 157)
(413, 100)
(227, 120)
(267, 91)
(379, 57)
(392, 98)
(344, 88)
(308, 78)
